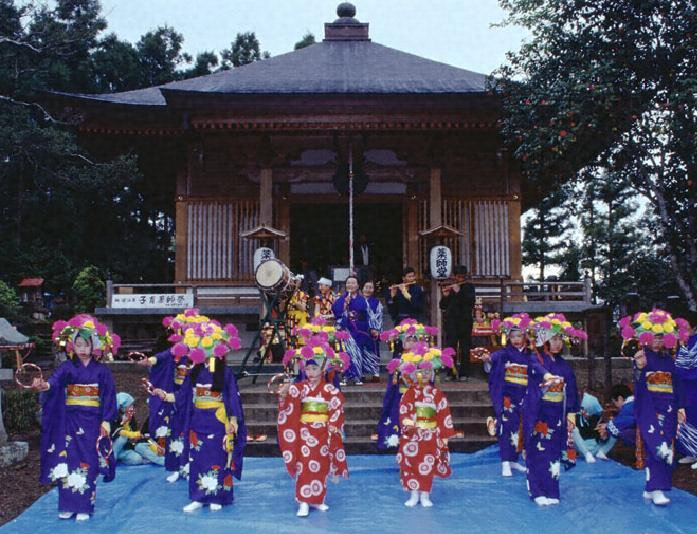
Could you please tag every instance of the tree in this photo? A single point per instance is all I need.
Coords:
(61, 208)
(243, 50)
(160, 55)
(89, 289)
(205, 64)
(307, 40)
(543, 232)
(611, 82)
(116, 65)
(9, 301)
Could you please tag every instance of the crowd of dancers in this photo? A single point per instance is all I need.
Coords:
(196, 426)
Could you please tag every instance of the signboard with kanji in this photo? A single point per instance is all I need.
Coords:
(166, 300)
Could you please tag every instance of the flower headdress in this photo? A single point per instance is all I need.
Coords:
(104, 343)
(555, 324)
(516, 322)
(409, 328)
(207, 339)
(317, 351)
(645, 326)
(319, 327)
(421, 356)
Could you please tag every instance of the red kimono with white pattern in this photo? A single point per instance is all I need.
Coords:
(422, 452)
(312, 450)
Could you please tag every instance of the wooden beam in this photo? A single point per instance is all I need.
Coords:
(181, 232)
(283, 207)
(514, 255)
(266, 196)
(436, 198)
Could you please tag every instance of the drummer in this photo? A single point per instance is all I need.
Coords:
(325, 300)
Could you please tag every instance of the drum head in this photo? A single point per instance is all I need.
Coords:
(269, 273)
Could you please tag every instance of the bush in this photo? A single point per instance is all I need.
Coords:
(19, 410)
(9, 301)
(89, 289)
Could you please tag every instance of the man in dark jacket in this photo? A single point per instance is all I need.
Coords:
(457, 303)
(406, 300)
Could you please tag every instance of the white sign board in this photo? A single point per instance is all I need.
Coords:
(166, 300)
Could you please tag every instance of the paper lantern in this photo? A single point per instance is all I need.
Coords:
(441, 262)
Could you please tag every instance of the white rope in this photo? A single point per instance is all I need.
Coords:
(350, 184)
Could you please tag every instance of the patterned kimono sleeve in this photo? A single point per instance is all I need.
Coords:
(375, 317)
(107, 393)
(289, 409)
(407, 411)
(443, 417)
(337, 453)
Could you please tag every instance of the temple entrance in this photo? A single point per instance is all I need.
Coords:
(319, 235)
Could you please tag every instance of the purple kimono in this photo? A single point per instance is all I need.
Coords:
(354, 320)
(544, 424)
(686, 369)
(657, 399)
(200, 409)
(168, 375)
(508, 382)
(81, 397)
(371, 355)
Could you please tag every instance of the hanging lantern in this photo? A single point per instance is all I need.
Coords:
(441, 262)
(261, 255)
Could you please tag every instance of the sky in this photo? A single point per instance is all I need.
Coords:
(457, 32)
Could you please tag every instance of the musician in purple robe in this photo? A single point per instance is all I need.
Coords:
(658, 397)
(168, 369)
(78, 402)
(508, 382)
(686, 368)
(209, 409)
(351, 313)
(551, 403)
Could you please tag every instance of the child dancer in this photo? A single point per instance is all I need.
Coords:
(78, 401)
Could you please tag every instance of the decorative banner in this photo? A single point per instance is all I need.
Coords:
(441, 262)
(167, 300)
(261, 255)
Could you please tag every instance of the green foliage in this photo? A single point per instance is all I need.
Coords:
(543, 232)
(611, 83)
(89, 289)
(243, 50)
(19, 409)
(9, 301)
(160, 54)
(307, 40)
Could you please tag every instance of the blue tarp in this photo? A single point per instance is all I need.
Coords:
(599, 498)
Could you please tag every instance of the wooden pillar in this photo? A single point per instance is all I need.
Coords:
(266, 196)
(515, 262)
(436, 219)
(283, 208)
(411, 225)
(181, 228)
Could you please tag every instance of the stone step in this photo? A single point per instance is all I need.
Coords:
(371, 393)
(268, 412)
(471, 426)
(364, 445)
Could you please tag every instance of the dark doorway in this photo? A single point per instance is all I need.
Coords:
(319, 234)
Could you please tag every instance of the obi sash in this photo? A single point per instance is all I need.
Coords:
(659, 382)
(180, 374)
(516, 374)
(555, 393)
(82, 395)
(314, 410)
(425, 415)
(207, 399)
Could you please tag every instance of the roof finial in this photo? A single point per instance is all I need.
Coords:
(346, 10)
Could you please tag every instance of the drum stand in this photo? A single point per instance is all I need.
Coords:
(271, 303)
